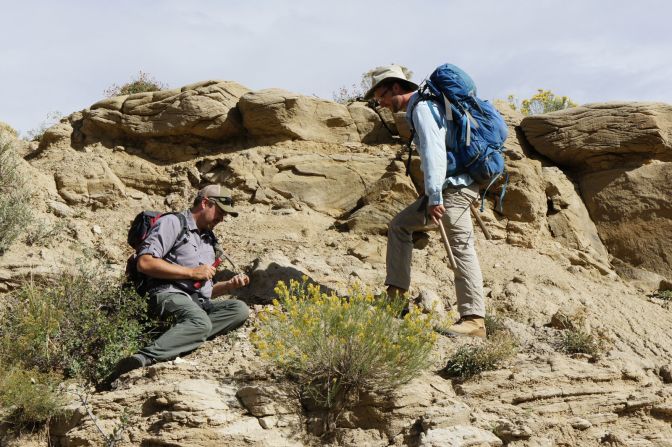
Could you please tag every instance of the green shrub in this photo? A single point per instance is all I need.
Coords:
(144, 82)
(15, 211)
(578, 341)
(334, 346)
(470, 360)
(494, 324)
(575, 338)
(665, 295)
(30, 396)
(79, 327)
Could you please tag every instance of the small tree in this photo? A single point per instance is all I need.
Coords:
(345, 94)
(544, 101)
(144, 82)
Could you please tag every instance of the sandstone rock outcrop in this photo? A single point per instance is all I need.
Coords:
(619, 153)
(603, 136)
(278, 114)
(198, 113)
(633, 212)
(316, 184)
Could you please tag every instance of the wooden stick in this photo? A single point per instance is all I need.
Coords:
(481, 224)
(444, 238)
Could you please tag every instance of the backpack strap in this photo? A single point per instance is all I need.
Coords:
(410, 152)
(423, 97)
(371, 104)
(183, 230)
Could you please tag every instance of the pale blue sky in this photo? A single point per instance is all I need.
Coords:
(61, 55)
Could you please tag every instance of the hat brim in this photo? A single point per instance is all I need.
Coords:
(409, 85)
(226, 208)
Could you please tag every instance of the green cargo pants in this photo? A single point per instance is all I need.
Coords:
(193, 325)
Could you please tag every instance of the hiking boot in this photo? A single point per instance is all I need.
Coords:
(133, 362)
(125, 365)
(468, 326)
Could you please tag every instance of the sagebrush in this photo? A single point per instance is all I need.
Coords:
(79, 326)
(494, 323)
(472, 359)
(7, 129)
(143, 82)
(579, 341)
(577, 338)
(15, 209)
(334, 346)
(30, 396)
(76, 328)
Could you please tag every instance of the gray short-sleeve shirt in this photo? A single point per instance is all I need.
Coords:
(193, 249)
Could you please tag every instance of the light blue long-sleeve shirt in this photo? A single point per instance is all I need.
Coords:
(430, 139)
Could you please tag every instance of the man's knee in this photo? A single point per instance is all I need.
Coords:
(240, 311)
(396, 227)
(201, 324)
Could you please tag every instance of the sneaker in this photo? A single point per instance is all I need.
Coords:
(468, 326)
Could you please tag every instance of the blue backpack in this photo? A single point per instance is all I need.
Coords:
(476, 131)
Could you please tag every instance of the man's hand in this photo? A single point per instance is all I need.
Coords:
(203, 271)
(222, 287)
(238, 281)
(436, 212)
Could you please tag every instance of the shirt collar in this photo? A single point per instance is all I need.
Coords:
(191, 223)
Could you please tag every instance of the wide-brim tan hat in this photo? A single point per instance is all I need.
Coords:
(381, 74)
(221, 196)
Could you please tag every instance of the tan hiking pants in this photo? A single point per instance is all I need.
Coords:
(460, 231)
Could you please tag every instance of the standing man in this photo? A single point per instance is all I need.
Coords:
(446, 197)
(179, 265)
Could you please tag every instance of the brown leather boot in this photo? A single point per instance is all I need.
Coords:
(469, 326)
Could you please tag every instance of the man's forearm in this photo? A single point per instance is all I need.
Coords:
(161, 269)
(220, 288)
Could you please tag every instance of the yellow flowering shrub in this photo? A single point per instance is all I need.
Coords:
(544, 101)
(335, 345)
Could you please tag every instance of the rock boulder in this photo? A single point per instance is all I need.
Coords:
(631, 209)
(277, 115)
(603, 136)
(205, 111)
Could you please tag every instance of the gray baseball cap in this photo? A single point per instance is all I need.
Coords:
(221, 196)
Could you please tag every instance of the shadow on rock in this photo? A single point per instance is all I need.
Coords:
(264, 276)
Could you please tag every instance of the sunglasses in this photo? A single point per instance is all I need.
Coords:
(222, 199)
(382, 94)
